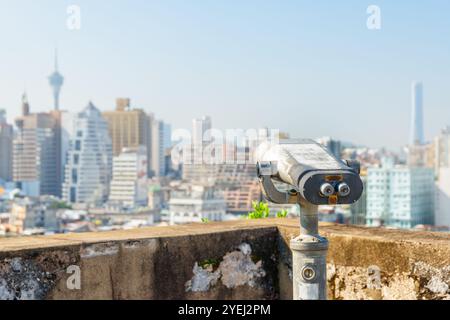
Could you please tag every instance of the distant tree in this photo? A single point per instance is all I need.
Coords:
(60, 205)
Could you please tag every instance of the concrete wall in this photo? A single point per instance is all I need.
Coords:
(232, 260)
(379, 264)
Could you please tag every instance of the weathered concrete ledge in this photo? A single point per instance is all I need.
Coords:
(247, 259)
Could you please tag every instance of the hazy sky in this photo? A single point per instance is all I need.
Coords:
(311, 68)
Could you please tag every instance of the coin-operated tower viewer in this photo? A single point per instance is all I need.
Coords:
(305, 173)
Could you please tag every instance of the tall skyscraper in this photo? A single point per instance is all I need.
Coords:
(6, 153)
(89, 159)
(419, 153)
(35, 152)
(129, 128)
(60, 150)
(56, 81)
(417, 133)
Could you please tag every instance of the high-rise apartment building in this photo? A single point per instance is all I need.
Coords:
(401, 197)
(442, 213)
(167, 136)
(223, 174)
(201, 134)
(237, 181)
(89, 159)
(239, 198)
(36, 153)
(158, 156)
(129, 128)
(334, 146)
(359, 209)
(6, 153)
(442, 170)
(60, 147)
(200, 129)
(129, 182)
(67, 129)
(442, 149)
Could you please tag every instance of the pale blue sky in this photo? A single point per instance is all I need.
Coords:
(308, 67)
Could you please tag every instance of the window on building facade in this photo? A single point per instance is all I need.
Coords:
(73, 194)
(74, 176)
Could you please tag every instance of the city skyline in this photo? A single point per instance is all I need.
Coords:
(241, 71)
(224, 150)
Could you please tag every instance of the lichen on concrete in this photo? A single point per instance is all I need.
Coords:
(399, 287)
(22, 279)
(433, 282)
(355, 283)
(6, 293)
(436, 285)
(102, 249)
(203, 279)
(237, 268)
(347, 283)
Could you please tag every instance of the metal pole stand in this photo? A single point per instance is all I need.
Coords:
(309, 250)
(309, 257)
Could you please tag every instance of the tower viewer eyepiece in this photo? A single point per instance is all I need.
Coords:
(343, 189)
(327, 190)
